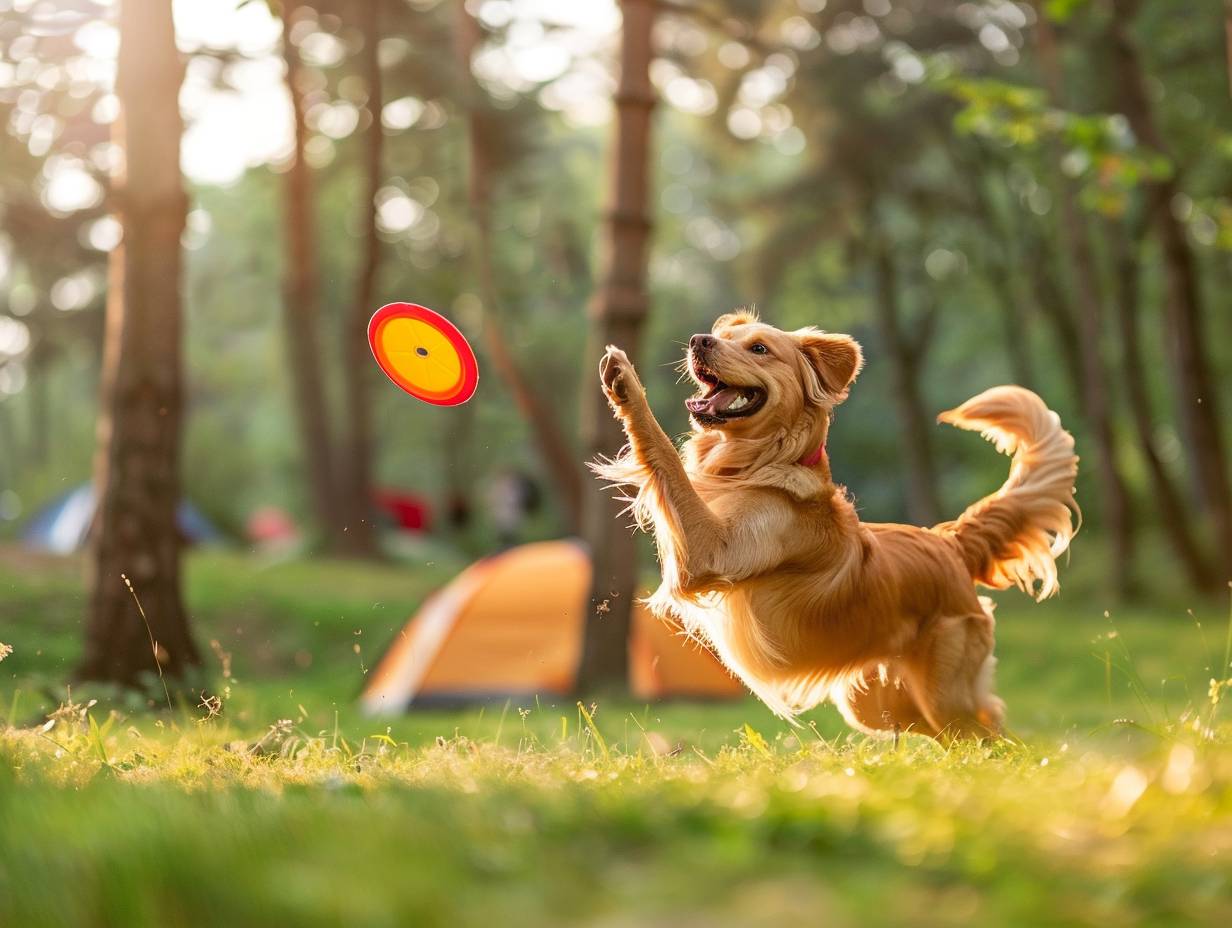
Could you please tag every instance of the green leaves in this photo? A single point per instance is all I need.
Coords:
(1097, 150)
(1010, 114)
(754, 739)
(1060, 11)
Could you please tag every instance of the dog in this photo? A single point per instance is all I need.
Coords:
(766, 561)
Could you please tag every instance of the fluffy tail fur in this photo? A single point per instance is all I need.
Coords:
(1014, 536)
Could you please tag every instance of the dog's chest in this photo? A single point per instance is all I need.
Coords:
(774, 631)
(745, 630)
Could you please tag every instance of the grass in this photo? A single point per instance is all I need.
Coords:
(1113, 806)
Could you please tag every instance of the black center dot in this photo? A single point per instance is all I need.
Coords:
(422, 352)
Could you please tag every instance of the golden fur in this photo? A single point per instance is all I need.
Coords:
(765, 559)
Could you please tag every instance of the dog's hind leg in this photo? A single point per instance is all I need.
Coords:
(881, 703)
(950, 674)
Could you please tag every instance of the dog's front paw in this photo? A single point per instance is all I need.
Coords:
(619, 379)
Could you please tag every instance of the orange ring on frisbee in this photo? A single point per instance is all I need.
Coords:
(423, 353)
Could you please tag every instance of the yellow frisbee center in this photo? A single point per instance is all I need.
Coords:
(421, 354)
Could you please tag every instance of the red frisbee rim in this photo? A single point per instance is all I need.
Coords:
(468, 380)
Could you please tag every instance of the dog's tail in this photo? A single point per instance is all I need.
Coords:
(1014, 536)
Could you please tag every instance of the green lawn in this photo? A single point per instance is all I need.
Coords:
(1115, 807)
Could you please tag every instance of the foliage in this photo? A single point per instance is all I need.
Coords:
(1100, 152)
(777, 120)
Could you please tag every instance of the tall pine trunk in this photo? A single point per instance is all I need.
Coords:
(557, 454)
(355, 466)
(301, 310)
(136, 470)
(1196, 390)
(1097, 404)
(617, 315)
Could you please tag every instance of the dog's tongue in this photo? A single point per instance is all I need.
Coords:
(714, 403)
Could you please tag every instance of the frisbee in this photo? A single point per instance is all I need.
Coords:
(423, 353)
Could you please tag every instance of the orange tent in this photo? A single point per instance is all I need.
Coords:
(511, 626)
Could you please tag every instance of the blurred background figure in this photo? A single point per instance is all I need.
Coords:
(404, 511)
(512, 498)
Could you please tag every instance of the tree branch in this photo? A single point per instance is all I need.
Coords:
(734, 29)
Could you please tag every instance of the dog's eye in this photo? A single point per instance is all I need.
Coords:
(758, 348)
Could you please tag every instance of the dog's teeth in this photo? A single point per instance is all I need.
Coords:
(740, 403)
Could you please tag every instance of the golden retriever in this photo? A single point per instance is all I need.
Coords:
(765, 559)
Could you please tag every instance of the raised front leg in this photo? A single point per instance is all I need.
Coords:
(627, 397)
(709, 544)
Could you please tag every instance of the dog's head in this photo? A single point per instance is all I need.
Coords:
(754, 379)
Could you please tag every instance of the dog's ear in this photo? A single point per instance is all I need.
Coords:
(835, 359)
(742, 316)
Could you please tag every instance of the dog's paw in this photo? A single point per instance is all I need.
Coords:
(619, 380)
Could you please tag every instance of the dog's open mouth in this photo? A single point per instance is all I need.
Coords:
(721, 401)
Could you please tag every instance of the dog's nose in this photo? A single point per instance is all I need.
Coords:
(702, 343)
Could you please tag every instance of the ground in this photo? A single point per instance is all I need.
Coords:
(1113, 803)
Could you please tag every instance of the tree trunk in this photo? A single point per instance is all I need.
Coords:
(359, 538)
(137, 458)
(301, 308)
(558, 455)
(617, 315)
(1177, 522)
(1076, 245)
(919, 468)
(1196, 389)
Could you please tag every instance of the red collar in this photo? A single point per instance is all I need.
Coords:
(815, 458)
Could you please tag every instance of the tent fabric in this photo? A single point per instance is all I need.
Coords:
(62, 525)
(511, 626)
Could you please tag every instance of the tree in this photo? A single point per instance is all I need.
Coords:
(1185, 310)
(482, 136)
(300, 303)
(136, 538)
(1074, 234)
(1177, 522)
(878, 173)
(617, 314)
(355, 465)
(41, 244)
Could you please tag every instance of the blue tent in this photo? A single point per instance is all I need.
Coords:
(62, 525)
